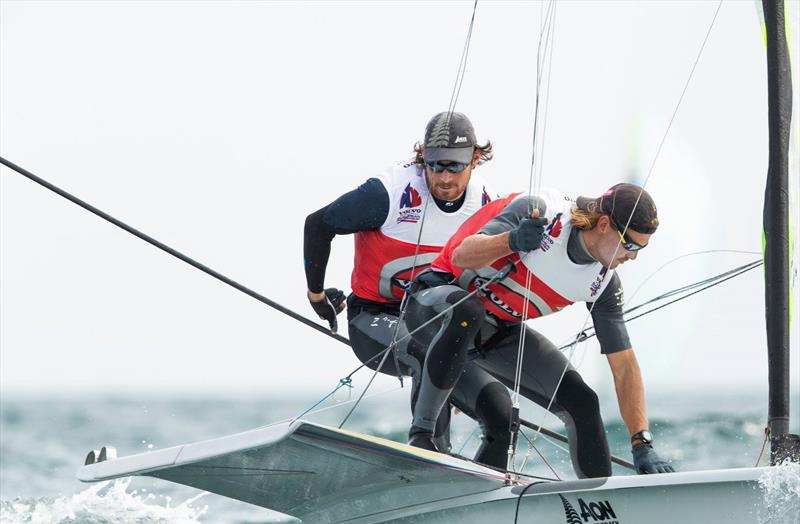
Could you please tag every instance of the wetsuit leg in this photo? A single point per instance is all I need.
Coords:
(445, 341)
(575, 403)
(482, 397)
(371, 334)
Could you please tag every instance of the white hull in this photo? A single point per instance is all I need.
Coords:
(322, 474)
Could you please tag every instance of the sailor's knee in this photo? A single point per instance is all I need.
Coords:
(576, 396)
(468, 311)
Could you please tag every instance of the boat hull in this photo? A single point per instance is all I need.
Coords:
(323, 474)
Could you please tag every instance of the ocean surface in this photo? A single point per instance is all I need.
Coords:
(43, 441)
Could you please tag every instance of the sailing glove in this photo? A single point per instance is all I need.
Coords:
(330, 306)
(647, 460)
(528, 235)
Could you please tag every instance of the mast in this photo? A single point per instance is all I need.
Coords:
(776, 233)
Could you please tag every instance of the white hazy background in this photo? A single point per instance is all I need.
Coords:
(216, 127)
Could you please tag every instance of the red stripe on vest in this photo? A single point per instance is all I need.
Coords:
(500, 300)
(373, 251)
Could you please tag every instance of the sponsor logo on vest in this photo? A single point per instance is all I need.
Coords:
(591, 511)
(554, 229)
(409, 215)
(409, 205)
(485, 198)
(547, 243)
(410, 197)
(598, 282)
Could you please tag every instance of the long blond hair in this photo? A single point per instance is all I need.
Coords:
(585, 220)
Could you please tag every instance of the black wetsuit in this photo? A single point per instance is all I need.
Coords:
(371, 324)
(452, 343)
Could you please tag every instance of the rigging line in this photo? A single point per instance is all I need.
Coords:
(636, 203)
(549, 65)
(680, 99)
(547, 28)
(466, 440)
(738, 270)
(583, 336)
(328, 408)
(343, 382)
(400, 318)
(392, 348)
(404, 301)
(500, 275)
(531, 445)
(540, 177)
(160, 245)
(105, 216)
(692, 293)
(371, 380)
(701, 283)
(462, 65)
(173, 252)
(763, 446)
(552, 437)
(685, 255)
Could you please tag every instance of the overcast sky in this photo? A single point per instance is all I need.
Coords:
(216, 127)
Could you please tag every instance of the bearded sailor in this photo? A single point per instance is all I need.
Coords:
(558, 252)
(401, 219)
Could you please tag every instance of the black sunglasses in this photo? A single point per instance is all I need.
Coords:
(626, 242)
(453, 167)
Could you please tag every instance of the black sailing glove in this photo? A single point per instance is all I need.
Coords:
(528, 235)
(330, 306)
(647, 460)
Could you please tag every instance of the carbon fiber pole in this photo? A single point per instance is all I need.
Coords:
(223, 278)
(173, 252)
(783, 445)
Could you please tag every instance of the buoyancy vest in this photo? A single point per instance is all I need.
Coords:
(555, 281)
(384, 257)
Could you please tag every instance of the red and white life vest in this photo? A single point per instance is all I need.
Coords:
(555, 281)
(384, 257)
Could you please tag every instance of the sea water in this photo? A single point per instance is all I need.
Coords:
(43, 441)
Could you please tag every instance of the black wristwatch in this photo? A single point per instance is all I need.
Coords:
(644, 436)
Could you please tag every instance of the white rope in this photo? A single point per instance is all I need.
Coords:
(462, 64)
(636, 203)
(547, 23)
(392, 348)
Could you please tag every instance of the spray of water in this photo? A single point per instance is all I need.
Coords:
(781, 488)
(105, 502)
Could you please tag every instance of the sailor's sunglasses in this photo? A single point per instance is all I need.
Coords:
(452, 167)
(626, 242)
